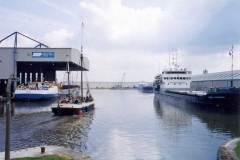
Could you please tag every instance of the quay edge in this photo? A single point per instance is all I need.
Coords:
(49, 150)
(226, 150)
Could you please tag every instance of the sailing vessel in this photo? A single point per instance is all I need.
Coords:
(74, 104)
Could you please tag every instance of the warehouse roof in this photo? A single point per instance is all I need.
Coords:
(226, 75)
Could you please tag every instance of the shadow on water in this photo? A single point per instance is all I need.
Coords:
(33, 125)
(217, 121)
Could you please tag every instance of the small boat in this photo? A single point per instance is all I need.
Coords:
(36, 91)
(74, 107)
(74, 103)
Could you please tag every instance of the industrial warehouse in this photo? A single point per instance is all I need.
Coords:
(37, 64)
(206, 81)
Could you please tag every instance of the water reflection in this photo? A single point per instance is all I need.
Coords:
(127, 125)
(28, 107)
(216, 121)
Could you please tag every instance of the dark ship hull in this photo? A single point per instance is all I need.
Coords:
(147, 89)
(226, 98)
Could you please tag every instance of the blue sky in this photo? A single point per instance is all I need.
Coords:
(132, 36)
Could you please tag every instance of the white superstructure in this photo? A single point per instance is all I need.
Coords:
(175, 78)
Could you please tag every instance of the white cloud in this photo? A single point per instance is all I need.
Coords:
(120, 24)
(58, 38)
(122, 37)
(151, 27)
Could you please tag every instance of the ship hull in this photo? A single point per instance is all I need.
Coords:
(146, 88)
(35, 96)
(227, 99)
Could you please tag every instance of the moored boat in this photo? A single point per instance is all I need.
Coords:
(174, 84)
(36, 91)
(146, 87)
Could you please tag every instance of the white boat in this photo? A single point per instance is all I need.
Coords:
(36, 91)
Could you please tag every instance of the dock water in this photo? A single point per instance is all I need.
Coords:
(126, 124)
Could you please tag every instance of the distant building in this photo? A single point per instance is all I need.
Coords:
(107, 85)
(214, 80)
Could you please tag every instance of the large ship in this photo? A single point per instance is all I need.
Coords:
(174, 84)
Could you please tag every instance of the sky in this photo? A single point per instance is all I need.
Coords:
(134, 37)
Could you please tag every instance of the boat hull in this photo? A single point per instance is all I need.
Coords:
(35, 96)
(67, 111)
(227, 99)
(146, 89)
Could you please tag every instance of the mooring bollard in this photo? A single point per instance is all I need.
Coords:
(42, 150)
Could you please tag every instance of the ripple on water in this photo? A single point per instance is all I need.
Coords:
(126, 125)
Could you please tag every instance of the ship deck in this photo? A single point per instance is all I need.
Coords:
(186, 92)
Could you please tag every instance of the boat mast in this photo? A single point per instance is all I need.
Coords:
(68, 73)
(231, 54)
(81, 59)
(81, 74)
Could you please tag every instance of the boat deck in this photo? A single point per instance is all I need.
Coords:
(75, 106)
